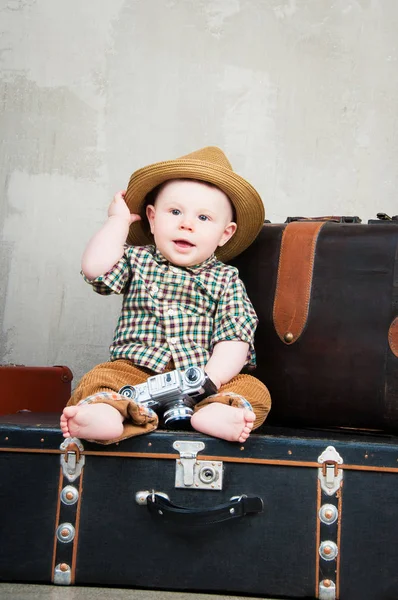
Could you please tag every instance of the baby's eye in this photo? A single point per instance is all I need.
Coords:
(175, 211)
(203, 217)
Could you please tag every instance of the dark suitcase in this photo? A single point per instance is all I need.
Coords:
(326, 295)
(289, 514)
(38, 389)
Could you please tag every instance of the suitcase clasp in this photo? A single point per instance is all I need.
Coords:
(327, 590)
(194, 473)
(329, 475)
(62, 574)
(72, 458)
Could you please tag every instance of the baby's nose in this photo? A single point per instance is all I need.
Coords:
(186, 223)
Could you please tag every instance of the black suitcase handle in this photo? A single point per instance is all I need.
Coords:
(237, 507)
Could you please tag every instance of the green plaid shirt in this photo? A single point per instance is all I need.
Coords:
(176, 313)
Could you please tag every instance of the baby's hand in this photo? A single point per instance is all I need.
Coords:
(119, 208)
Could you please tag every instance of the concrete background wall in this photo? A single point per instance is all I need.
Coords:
(301, 95)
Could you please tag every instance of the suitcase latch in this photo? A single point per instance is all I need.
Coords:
(327, 590)
(329, 475)
(194, 473)
(72, 458)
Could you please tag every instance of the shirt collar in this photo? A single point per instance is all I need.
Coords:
(194, 269)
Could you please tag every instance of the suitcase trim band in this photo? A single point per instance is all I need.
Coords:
(256, 461)
(66, 533)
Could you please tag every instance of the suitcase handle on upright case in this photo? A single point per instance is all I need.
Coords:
(237, 507)
(332, 219)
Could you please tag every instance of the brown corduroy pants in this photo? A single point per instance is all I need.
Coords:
(111, 376)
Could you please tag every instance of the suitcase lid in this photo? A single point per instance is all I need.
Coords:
(35, 432)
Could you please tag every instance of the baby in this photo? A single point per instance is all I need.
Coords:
(183, 306)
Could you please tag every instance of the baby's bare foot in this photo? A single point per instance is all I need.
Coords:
(223, 421)
(92, 421)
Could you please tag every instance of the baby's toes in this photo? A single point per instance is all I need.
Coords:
(65, 430)
(249, 416)
(244, 435)
(69, 412)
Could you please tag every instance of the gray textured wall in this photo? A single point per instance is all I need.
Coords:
(301, 94)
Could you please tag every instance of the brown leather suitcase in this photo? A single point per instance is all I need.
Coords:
(38, 389)
(326, 294)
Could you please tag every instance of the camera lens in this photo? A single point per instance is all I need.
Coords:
(128, 391)
(178, 417)
(192, 374)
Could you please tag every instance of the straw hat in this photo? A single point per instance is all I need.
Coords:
(212, 166)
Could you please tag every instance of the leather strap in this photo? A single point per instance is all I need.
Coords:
(393, 337)
(391, 380)
(166, 511)
(295, 271)
(393, 331)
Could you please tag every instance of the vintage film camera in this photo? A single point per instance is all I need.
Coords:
(173, 394)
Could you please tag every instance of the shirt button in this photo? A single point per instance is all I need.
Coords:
(154, 288)
(171, 312)
(173, 340)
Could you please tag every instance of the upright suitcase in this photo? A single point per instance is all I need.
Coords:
(326, 295)
(34, 388)
(298, 514)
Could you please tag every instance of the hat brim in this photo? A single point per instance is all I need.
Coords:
(248, 205)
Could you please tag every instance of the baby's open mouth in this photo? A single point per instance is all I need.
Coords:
(183, 244)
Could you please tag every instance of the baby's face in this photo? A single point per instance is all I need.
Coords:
(189, 221)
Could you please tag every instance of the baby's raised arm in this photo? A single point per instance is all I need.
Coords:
(106, 246)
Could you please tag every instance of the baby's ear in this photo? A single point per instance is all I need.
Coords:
(228, 233)
(150, 213)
